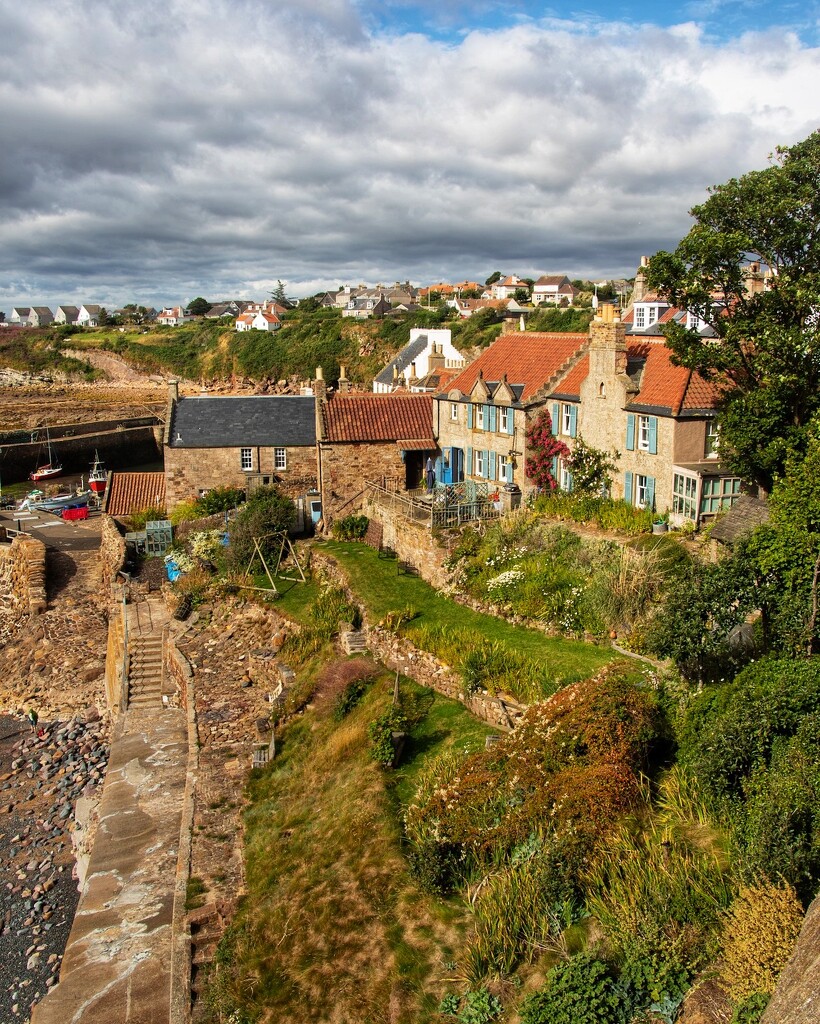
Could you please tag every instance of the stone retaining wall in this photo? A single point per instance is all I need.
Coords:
(23, 576)
(398, 653)
(179, 671)
(413, 543)
(114, 659)
(112, 551)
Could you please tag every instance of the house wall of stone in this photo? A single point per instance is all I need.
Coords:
(346, 468)
(456, 434)
(191, 470)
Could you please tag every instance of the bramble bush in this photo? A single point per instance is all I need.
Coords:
(350, 528)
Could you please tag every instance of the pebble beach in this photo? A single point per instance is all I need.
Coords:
(43, 774)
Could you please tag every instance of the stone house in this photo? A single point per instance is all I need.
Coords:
(626, 395)
(618, 393)
(482, 419)
(239, 441)
(363, 438)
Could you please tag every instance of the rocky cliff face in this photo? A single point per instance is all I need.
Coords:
(797, 998)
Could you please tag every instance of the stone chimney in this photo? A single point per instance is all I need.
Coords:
(508, 325)
(436, 360)
(173, 390)
(344, 383)
(320, 386)
(639, 289)
(607, 343)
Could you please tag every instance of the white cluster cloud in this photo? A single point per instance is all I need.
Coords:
(157, 151)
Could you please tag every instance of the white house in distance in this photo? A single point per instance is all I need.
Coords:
(506, 288)
(66, 314)
(260, 320)
(88, 316)
(426, 350)
(174, 316)
(553, 290)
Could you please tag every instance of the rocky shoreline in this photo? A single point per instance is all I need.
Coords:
(50, 782)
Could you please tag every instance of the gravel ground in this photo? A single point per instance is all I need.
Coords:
(40, 780)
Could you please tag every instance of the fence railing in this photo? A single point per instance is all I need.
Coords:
(447, 505)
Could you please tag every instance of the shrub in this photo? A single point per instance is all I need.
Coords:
(185, 511)
(580, 991)
(266, 516)
(350, 527)
(381, 731)
(759, 934)
(220, 499)
(343, 681)
(137, 520)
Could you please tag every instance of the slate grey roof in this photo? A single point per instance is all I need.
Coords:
(404, 358)
(742, 518)
(282, 421)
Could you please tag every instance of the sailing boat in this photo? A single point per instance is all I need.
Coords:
(98, 477)
(52, 468)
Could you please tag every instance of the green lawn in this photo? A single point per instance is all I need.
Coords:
(379, 586)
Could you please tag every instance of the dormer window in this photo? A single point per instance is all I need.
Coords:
(640, 316)
(454, 411)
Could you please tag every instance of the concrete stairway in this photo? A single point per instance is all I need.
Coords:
(145, 672)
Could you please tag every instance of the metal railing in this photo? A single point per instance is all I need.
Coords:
(447, 505)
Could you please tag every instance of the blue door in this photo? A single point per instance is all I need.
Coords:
(452, 465)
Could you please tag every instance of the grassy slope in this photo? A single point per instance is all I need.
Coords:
(383, 590)
(333, 928)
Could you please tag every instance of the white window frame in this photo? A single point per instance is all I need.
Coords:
(640, 316)
(712, 444)
(246, 459)
(564, 476)
(503, 419)
(501, 466)
(640, 490)
(280, 458)
(685, 496)
(643, 433)
(478, 463)
(479, 417)
(566, 419)
(454, 412)
(653, 315)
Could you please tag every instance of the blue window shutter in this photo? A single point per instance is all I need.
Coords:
(491, 465)
(653, 435)
(509, 469)
(570, 482)
(510, 420)
(555, 468)
(630, 433)
(628, 485)
(573, 420)
(556, 417)
(492, 420)
(470, 414)
(468, 467)
(650, 492)
(486, 416)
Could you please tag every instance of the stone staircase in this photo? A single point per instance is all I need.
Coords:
(145, 672)
(353, 641)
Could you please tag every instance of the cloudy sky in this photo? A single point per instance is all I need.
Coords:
(156, 151)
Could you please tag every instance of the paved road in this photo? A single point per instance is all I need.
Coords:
(54, 532)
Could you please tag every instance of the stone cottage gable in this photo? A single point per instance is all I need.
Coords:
(242, 421)
(529, 359)
(378, 418)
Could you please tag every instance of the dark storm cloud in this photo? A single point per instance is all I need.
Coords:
(153, 152)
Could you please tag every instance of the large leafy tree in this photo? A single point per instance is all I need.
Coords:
(767, 354)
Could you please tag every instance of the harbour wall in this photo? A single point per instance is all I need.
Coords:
(120, 443)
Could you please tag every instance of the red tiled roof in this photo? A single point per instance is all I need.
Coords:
(667, 386)
(663, 385)
(132, 492)
(528, 359)
(379, 417)
(570, 383)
